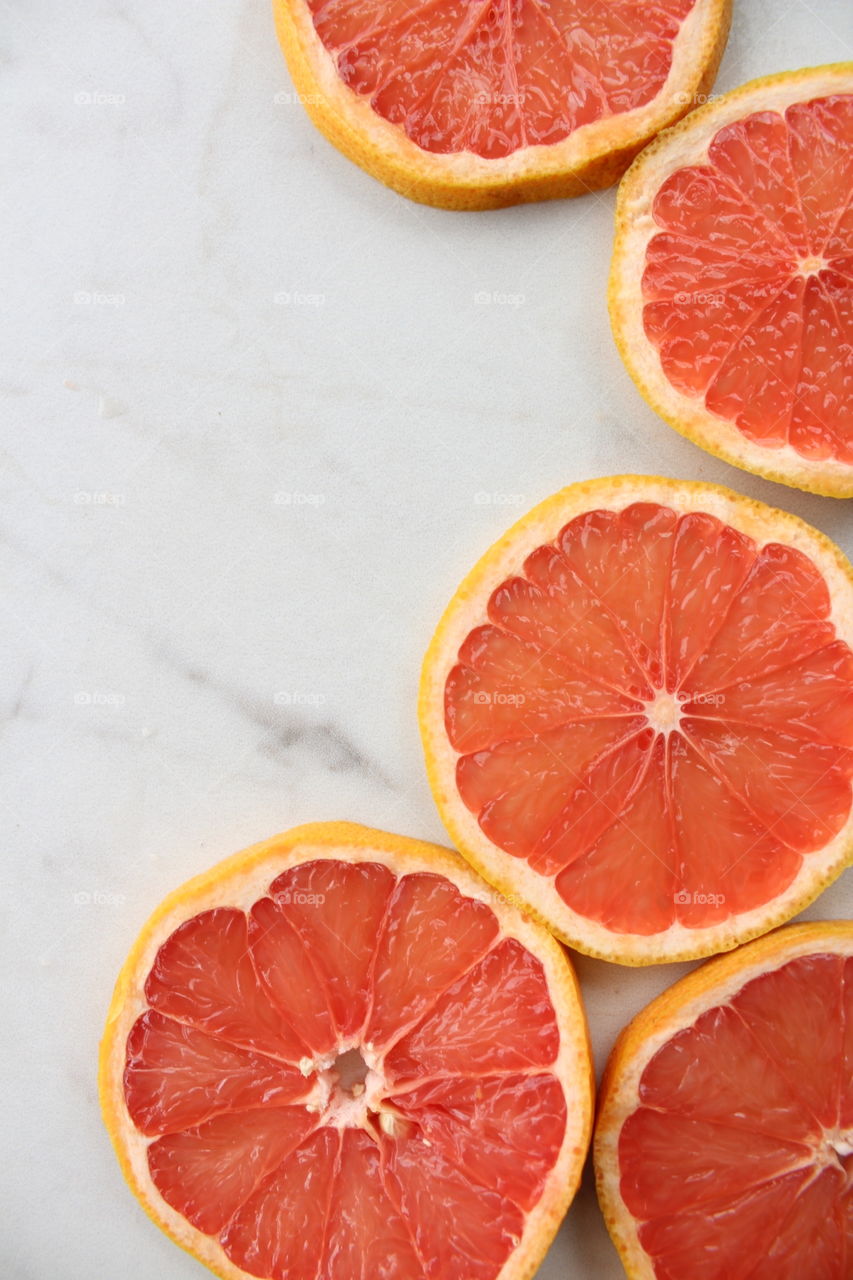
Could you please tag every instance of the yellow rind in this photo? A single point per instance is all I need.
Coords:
(467, 610)
(636, 192)
(674, 1009)
(467, 182)
(291, 847)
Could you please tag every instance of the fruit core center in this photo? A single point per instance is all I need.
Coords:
(351, 1071)
(834, 1149)
(811, 266)
(663, 712)
(348, 1090)
(350, 1093)
(842, 1145)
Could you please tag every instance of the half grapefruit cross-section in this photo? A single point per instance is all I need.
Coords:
(637, 715)
(340, 1053)
(731, 290)
(724, 1141)
(478, 105)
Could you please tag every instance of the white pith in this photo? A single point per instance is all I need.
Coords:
(663, 712)
(811, 266)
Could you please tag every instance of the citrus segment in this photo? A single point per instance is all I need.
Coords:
(203, 975)
(445, 73)
(260, 1237)
(482, 712)
(367, 1236)
(470, 1032)
(500, 1128)
(337, 911)
(635, 852)
(176, 1076)
(708, 685)
(485, 1225)
(705, 1233)
(731, 296)
(431, 936)
(696, 1163)
(357, 1059)
(478, 105)
(724, 1144)
(208, 1172)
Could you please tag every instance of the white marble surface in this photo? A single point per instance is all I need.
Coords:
(250, 399)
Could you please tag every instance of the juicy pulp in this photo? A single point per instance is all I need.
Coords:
(657, 714)
(422, 1165)
(738, 1161)
(493, 76)
(748, 283)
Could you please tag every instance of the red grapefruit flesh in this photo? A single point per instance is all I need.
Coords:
(491, 78)
(771, 249)
(732, 282)
(354, 1064)
(474, 105)
(725, 1145)
(646, 717)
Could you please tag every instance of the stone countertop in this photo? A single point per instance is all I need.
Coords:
(259, 416)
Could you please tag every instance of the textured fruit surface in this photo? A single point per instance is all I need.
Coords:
(731, 287)
(732, 1146)
(644, 672)
(497, 75)
(359, 1071)
(749, 282)
(654, 713)
(473, 104)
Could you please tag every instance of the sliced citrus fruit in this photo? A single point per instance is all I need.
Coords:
(637, 715)
(479, 105)
(731, 290)
(724, 1141)
(339, 1053)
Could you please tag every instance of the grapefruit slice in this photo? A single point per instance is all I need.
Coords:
(731, 289)
(339, 1053)
(724, 1142)
(479, 105)
(637, 715)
